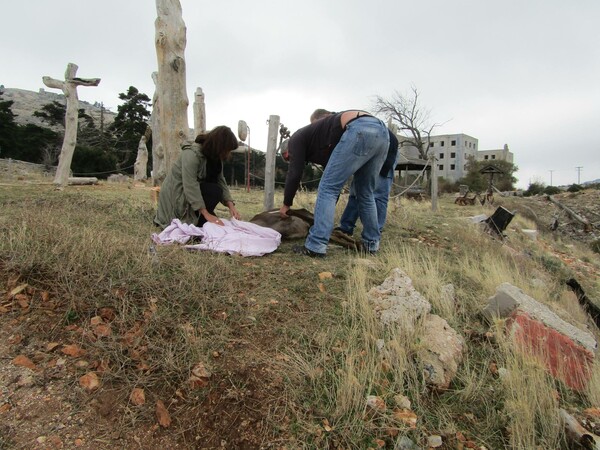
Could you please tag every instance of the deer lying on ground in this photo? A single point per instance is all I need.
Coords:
(297, 226)
(292, 228)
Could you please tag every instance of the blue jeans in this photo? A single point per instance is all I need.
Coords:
(360, 152)
(381, 194)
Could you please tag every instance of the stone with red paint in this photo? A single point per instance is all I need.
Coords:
(567, 351)
(565, 359)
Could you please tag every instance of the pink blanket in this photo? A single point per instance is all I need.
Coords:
(235, 237)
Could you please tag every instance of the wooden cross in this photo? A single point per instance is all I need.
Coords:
(69, 88)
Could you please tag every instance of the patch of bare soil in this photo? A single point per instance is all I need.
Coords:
(48, 400)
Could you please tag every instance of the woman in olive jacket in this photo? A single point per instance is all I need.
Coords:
(196, 183)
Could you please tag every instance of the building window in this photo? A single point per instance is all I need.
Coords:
(485, 157)
(442, 144)
(441, 167)
(441, 156)
(432, 144)
(452, 167)
(493, 156)
(452, 155)
(453, 143)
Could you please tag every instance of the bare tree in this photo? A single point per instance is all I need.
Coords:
(412, 119)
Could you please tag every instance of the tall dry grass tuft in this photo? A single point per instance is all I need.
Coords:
(593, 388)
(530, 399)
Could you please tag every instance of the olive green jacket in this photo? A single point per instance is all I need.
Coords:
(180, 196)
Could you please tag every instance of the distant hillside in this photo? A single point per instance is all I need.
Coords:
(597, 181)
(27, 102)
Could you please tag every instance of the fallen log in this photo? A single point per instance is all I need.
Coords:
(587, 226)
(80, 181)
(578, 434)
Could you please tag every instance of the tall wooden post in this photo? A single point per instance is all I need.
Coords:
(199, 112)
(170, 41)
(69, 88)
(434, 183)
(158, 152)
(269, 201)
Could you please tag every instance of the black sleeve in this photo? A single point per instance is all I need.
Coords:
(297, 150)
(391, 155)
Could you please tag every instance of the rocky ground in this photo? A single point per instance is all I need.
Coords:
(547, 215)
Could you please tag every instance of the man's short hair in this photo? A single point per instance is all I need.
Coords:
(319, 114)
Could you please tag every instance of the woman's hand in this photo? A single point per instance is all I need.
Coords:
(211, 218)
(214, 219)
(233, 211)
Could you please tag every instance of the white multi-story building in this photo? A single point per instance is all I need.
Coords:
(502, 154)
(453, 151)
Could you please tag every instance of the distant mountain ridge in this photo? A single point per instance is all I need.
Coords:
(27, 102)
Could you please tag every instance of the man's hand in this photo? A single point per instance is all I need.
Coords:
(283, 212)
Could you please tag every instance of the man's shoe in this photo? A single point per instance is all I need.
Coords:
(302, 250)
(347, 233)
(366, 252)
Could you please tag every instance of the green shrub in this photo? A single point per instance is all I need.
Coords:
(552, 190)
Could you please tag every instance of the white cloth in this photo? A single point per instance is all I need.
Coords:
(235, 236)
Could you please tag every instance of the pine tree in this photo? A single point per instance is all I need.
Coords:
(8, 129)
(129, 126)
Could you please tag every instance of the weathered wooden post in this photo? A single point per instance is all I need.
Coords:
(158, 152)
(434, 183)
(269, 200)
(140, 168)
(170, 41)
(69, 88)
(199, 113)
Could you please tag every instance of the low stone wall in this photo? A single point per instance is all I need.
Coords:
(13, 168)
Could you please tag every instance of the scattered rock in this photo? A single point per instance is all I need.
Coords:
(376, 403)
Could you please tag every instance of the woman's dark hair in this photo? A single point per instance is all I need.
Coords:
(218, 142)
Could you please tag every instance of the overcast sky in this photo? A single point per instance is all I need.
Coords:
(520, 72)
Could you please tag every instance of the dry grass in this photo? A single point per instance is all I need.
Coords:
(308, 354)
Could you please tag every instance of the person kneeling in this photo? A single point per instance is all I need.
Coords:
(196, 184)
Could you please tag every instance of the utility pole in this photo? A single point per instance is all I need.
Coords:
(551, 176)
(578, 168)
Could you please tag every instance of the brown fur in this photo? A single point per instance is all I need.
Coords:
(292, 228)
